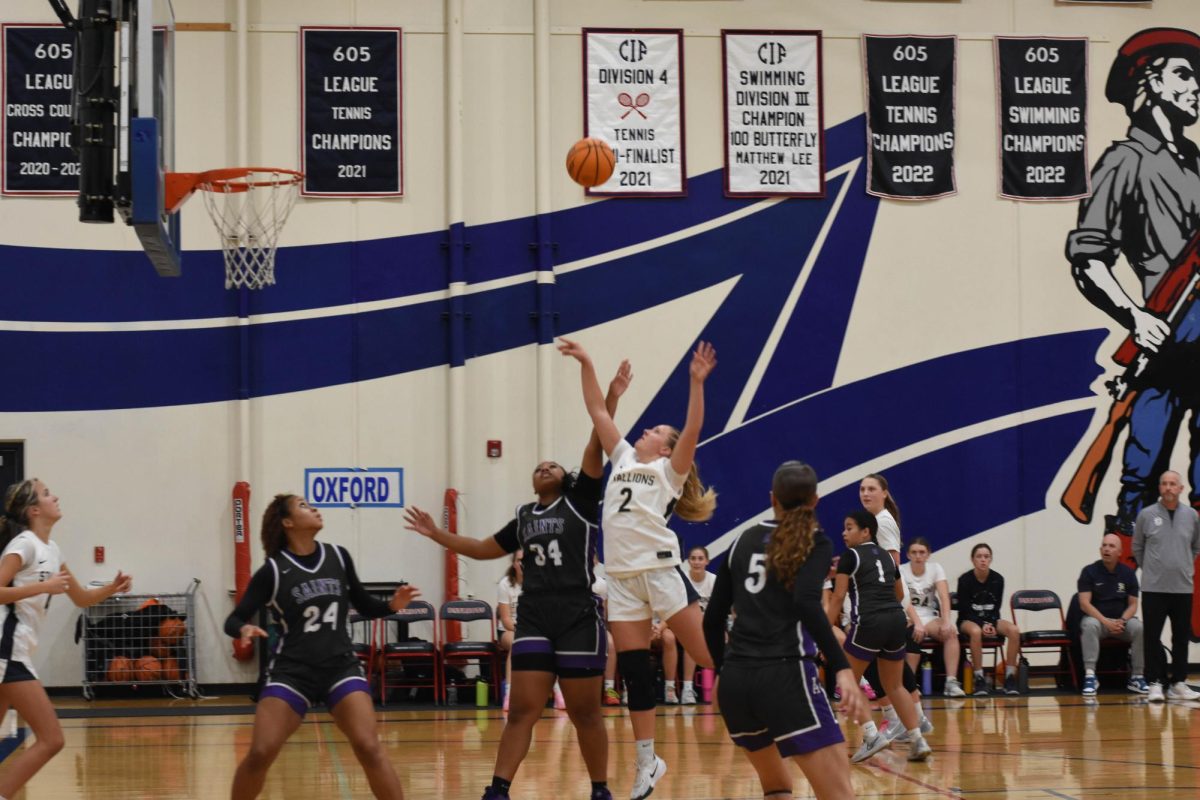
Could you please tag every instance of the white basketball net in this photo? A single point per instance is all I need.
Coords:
(249, 213)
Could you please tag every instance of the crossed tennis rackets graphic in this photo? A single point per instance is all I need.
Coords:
(637, 105)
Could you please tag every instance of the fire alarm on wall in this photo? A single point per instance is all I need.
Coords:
(98, 555)
(493, 448)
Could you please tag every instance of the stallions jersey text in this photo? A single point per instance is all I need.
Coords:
(637, 504)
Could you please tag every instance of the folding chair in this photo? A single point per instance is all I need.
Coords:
(406, 662)
(989, 644)
(483, 652)
(1032, 600)
(362, 638)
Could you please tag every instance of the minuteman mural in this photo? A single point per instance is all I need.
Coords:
(1144, 211)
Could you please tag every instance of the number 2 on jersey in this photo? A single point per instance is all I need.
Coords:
(552, 550)
(311, 613)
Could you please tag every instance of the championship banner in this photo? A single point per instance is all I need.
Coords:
(1043, 117)
(774, 121)
(910, 115)
(350, 110)
(38, 63)
(633, 80)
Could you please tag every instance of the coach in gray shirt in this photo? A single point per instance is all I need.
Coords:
(1166, 541)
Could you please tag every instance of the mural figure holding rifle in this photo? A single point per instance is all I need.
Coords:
(1145, 206)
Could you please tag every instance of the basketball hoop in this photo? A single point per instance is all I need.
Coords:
(248, 206)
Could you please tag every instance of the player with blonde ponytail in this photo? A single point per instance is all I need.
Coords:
(651, 479)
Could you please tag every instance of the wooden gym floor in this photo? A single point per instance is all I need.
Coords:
(1037, 746)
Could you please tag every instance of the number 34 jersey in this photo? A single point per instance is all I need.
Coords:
(558, 540)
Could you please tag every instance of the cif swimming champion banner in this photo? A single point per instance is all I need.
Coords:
(1042, 98)
(350, 131)
(910, 115)
(633, 81)
(774, 125)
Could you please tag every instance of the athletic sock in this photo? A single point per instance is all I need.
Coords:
(1010, 671)
(869, 729)
(889, 713)
(670, 685)
(598, 786)
(499, 784)
(688, 686)
(1091, 673)
(645, 751)
(610, 684)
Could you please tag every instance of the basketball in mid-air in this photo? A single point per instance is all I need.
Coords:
(590, 162)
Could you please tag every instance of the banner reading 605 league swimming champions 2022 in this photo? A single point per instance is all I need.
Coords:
(910, 115)
(1042, 96)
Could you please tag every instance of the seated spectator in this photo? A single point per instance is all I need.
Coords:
(930, 593)
(663, 640)
(610, 697)
(1108, 598)
(702, 581)
(980, 602)
(508, 594)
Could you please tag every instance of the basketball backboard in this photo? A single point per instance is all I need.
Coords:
(125, 156)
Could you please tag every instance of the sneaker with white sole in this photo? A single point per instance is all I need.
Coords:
(1181, 691)
(1137, 684)
(919, 749)
(954, 688)
(647, 776)
(1090, 685)
(869, 748)
(688, 696)
(926, 726)
(894, 731)
(1155, 695)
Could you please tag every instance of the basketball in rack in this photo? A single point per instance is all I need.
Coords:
(248, 206)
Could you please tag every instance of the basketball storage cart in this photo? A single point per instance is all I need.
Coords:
(140, 640)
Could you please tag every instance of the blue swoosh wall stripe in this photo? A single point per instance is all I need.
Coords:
(81, 285)
(850, 424)
(963, 489)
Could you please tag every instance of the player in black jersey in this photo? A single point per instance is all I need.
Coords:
(878, 628)
(309, 587)
(769, 691)
(560, 630)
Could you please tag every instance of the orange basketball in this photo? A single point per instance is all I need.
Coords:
(149, 669)
(159, 648)
(120, 669)
(590, 162)
(172, 630)
(170, 669)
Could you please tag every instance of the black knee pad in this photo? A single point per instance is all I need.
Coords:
(638, 674)
(909, 680)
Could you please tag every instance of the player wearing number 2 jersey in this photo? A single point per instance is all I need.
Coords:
(560, 630)
(650, 479)
(308, 587)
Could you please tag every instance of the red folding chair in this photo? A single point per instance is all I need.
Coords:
(407, 662)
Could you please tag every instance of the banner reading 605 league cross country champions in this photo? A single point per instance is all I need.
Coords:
(774, 131)
(38, 69)
(1042, 96)
(910, 115)
(633, 80)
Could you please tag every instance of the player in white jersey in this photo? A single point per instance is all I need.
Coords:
(930, 592)
(31, 570)
(650, 480)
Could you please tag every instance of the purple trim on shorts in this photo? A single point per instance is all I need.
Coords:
(581, 660)
(893, 655)
(287, 694)
(532, 644)
(858, 651)
(344, 688)
(826, 733)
